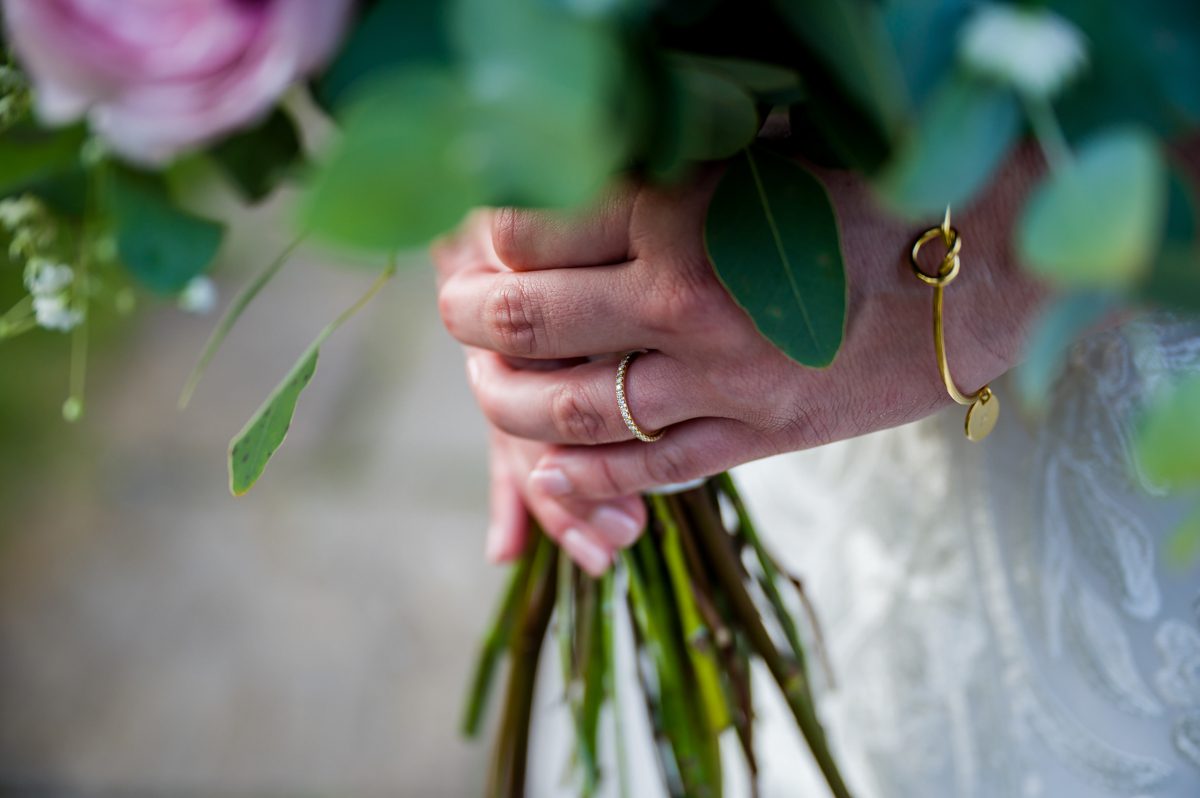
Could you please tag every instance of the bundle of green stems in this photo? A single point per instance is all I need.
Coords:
(703, 596)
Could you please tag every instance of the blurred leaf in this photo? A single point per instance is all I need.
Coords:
(965, 131)
(772, 238)
(1144, 58)
(757, 77)
(850, 38)
(1098, 221)
(912, 26)
(162, 246)
(252, 448)
(716, 116)
(257, 160)
(545, 79)
(403, 171)
(1183, 548)
(391, 34)
(1168, 442)
(1174, 280)
(830, 131)
(264, 433)
(31, 154)
(1060, 325)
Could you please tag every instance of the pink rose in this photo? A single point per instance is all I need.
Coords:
(157, 77)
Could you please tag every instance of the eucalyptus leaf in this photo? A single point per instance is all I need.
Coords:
(1183, 547)
(1168, 441)
(403, 170)
(850, 38)
(252, 448)
(772, 239)
(264, 433)
(1098, 221)
(163, 246)
(30, 154)
(965, 130)
(257, 160)
(390, 35)
(758, 77)
(716, 116)
(1174, 280)
(1059, 326)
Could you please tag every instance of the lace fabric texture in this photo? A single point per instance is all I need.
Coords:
(1000, 617)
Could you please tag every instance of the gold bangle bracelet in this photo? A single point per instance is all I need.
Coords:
(984, 410)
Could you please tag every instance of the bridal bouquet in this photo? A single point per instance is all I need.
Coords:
(109, 109)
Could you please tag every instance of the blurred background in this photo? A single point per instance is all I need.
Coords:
(158, 636)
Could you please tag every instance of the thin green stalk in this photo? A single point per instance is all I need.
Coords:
(18, 328)
(22, 310)
(1047, 131)
(698, 638)
(611, 681)
(697, 753)
(507, 779)
(771, 573)
(232, 314)
(495, 642)
(593, 662)
(718, 546)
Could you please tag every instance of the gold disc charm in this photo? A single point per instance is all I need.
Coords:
(982, 415)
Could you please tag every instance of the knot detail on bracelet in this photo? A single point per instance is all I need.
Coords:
(984, 408)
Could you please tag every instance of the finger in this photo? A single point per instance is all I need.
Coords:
(467, 248)
(557, 313)
(527, 240)
(689, 451)
(508, 527)
(578, 405)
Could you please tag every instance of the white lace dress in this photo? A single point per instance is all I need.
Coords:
(1000, 618)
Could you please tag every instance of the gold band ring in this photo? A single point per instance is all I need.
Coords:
(626, 416)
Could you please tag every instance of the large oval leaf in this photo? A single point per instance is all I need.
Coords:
(1098, 221)
(772, 238)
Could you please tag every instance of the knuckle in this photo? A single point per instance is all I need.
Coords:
(689, 301)
(508, 236)
(513, 319)
(668, 464)
(576, 416)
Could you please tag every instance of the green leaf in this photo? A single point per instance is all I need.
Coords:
(162, 246)
(547, 81)
(1183, 548)
(850, 38)
(1168, 442)
(965, 131)
(757, 77)
(393, 33)
(404, 170)
(912, 25)
(252, 448)
(264, 433)
(1060, 326)
(1098, 222)
(772, 238)
(715, 117)
(30, 154)
(1174, 280)
(258, 160)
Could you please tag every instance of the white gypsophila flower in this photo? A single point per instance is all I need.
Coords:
(45, 277)
(15, 212)
(1035, 50)
(199, 296)
(55, 313)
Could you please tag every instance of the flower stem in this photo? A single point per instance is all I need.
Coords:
(1047, 131)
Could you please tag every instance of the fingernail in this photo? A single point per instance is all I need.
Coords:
(618, 526)
(551, 481)
(586, 552)
(495, 545)
(472, 371)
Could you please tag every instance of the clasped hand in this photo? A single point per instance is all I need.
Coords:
(547, 303)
